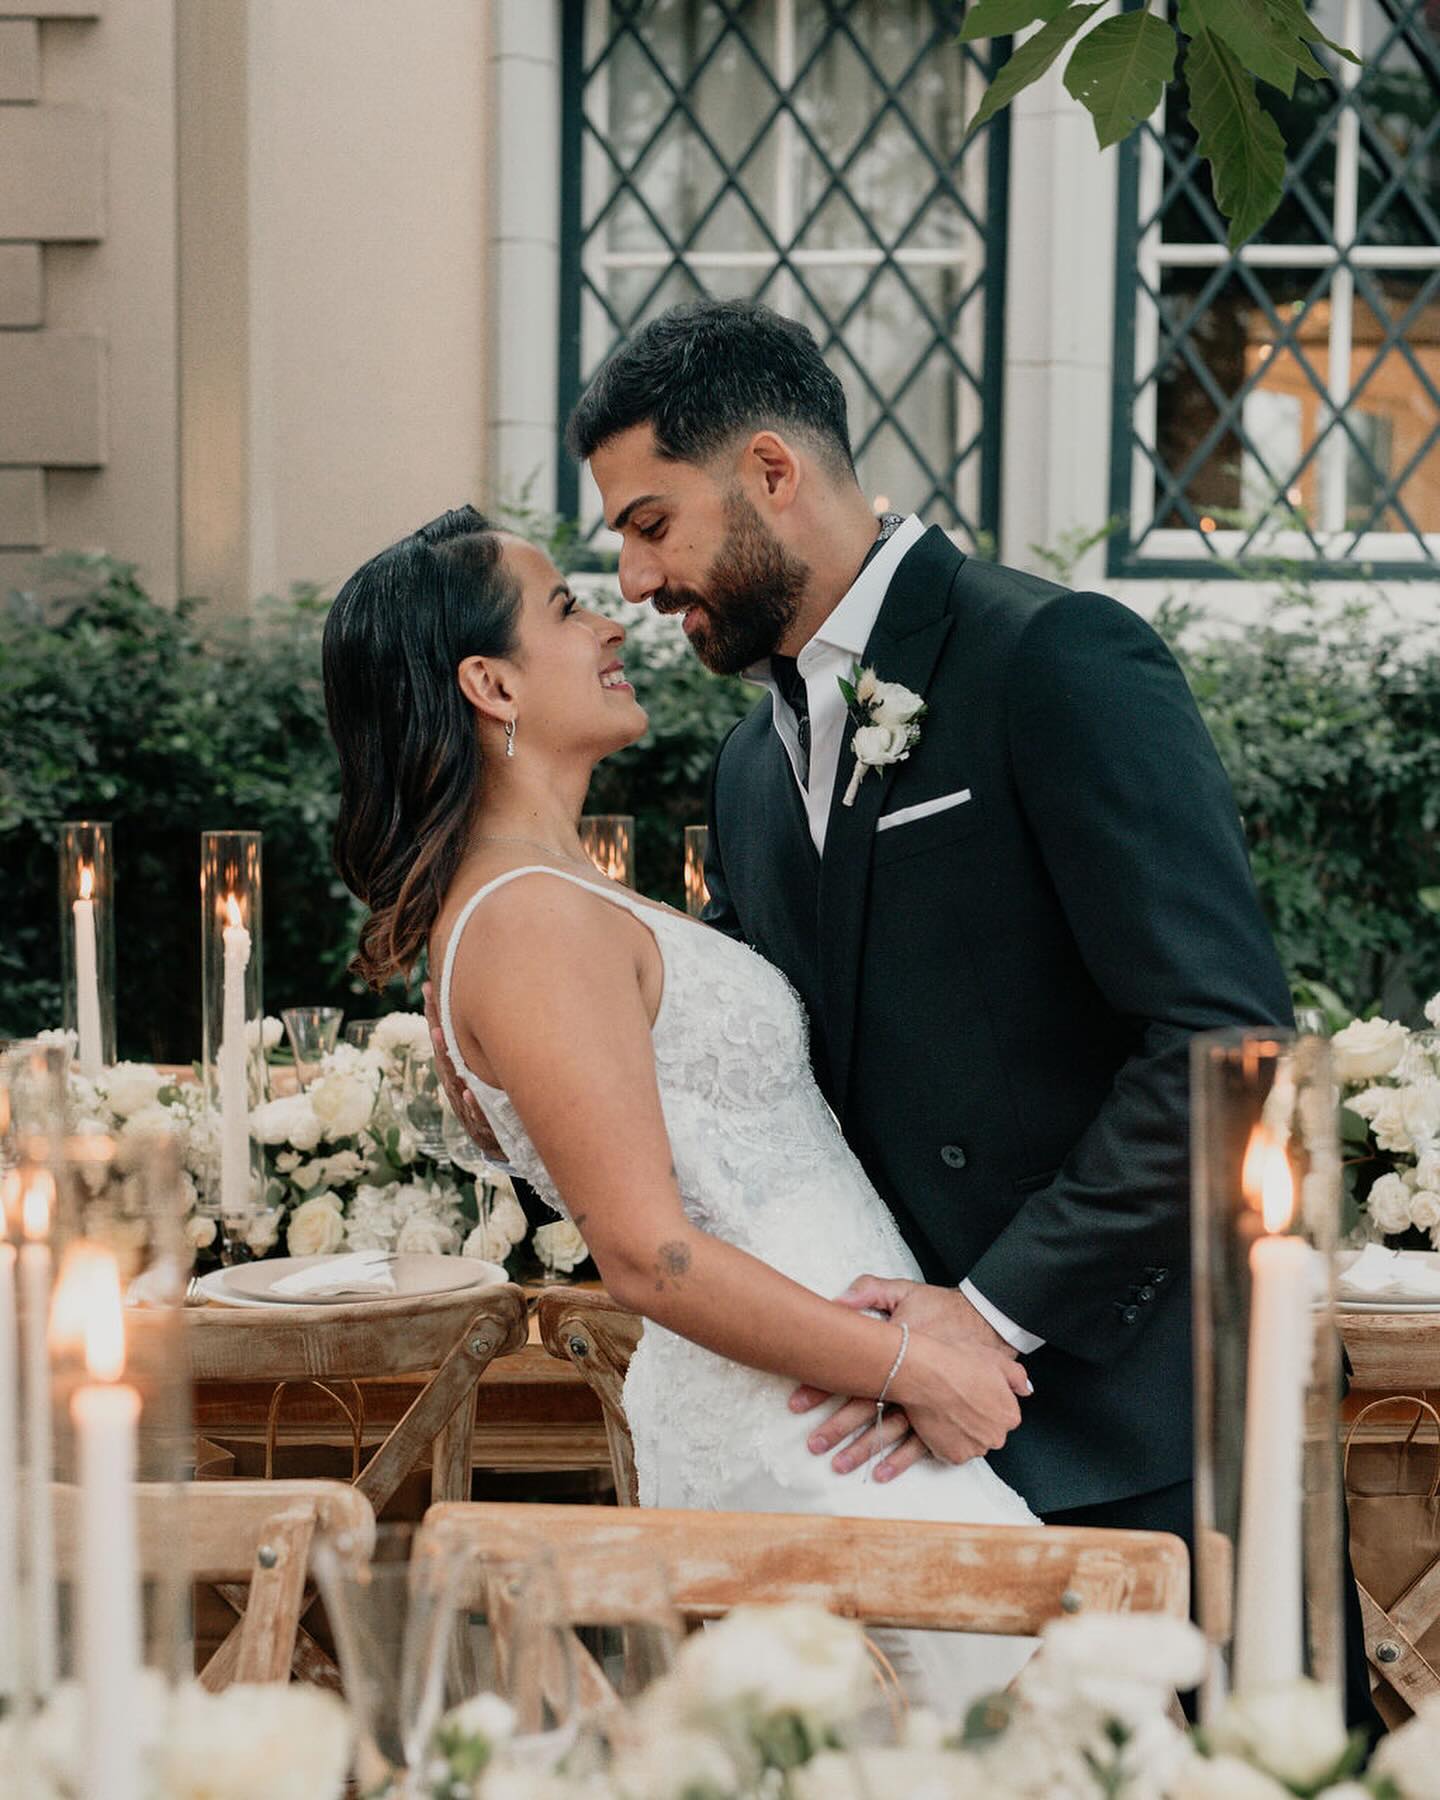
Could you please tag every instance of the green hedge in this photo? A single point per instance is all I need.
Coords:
(112, 706)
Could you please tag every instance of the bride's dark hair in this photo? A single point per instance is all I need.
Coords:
(409, 751)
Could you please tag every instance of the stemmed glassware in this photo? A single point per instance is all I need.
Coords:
(420, 1098)
(314, 1032)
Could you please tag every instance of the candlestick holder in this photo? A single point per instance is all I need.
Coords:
(697, 844)
(608, 839)
(87, 941)
(1264, 1223)
(233, 1018)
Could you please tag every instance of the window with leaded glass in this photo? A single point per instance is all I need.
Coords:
(808, 153)
(1284, 401)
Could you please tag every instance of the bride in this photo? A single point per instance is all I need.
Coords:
(649, 1076)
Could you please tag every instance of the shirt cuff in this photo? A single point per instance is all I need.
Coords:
(1015, 1335)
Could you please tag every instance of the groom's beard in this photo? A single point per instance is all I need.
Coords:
(751, 595)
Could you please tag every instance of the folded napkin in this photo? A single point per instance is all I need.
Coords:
(1381, 1274)
(361, 1272)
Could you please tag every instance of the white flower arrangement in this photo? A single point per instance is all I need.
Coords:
(342, 1167)
(887, 724)
(762, 1705)
(1389, 1081)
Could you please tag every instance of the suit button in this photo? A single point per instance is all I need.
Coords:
(1158, 1276)
(1129, 1314)
(1146, 1293)
(952, 1156)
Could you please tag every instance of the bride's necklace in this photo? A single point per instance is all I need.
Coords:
(579, 862)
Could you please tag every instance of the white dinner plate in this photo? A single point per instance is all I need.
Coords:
(1400, 1302)
(1388, 1306)
(251, 1284)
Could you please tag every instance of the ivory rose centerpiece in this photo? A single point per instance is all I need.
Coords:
(1389, 1079)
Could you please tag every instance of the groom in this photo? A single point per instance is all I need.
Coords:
(1008, 939)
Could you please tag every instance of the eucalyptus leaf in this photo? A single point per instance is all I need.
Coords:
(1236, 136)
(1031, 60)
(1118, 72)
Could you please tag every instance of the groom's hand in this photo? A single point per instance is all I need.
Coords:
(462, 1102)
(942, 1313)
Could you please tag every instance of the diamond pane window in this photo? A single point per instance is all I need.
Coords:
(1284, 401)
(807, 153)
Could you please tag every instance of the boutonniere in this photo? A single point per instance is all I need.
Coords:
(887, 723)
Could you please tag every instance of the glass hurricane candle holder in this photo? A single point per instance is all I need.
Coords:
(233, 1020)
(697, 843)
(608, 839)
(1265, 1216)
(87, 942)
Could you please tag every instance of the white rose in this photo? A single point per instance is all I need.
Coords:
(1420, 1108)
(1427, 1167)
(132, 1086)
(286, 1160)
(1432, 1010)
(287, 1743)
(316, 1228)
(507, 1217)
(1410, 1756)
(291, 1120)
(1387, 1124)
(893, 704)
(423, 1234)
(877, 745)
(866, 685)
(1162, 1653)
(308, 1175)
(1388, 1204)
(1425, 1209)
(154, 1121)
(560, 1246)
(916, 1774)
(343, 1103)
(776, 1659)
(263, 1229)
(200, 1232)
(1367, 1048)
(485, 1246)
(484, 1716)
(403, 1031)
(1225, 1778)
(343, 1166)
(1294, 1731)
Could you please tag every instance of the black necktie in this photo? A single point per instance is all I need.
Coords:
(791, 683)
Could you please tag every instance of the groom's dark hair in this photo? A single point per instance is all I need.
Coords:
(704, 373)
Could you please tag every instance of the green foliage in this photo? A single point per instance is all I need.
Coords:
(1120, 68)
(1327, 718)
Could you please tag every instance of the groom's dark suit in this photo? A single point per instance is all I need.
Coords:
(1002, 992)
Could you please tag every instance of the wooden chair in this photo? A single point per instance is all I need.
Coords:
(233, 1532)
(589, 1331)
(455, 1335)
(1009, 1580)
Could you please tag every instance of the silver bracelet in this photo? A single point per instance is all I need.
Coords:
(894, 1371)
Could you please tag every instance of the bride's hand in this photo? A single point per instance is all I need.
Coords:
(961, 1399)
(462, 1102)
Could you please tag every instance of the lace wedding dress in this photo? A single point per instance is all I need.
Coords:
(761, 1164)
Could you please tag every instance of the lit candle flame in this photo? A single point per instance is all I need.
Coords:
(36, 1205)
(88, 1312)
(233, 916)
(87, 881)
(1267, 1181)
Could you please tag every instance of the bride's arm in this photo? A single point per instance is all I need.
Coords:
(552, 992)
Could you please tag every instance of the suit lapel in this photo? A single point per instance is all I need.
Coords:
(904, 646)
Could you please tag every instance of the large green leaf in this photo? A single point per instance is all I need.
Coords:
(1031, 61)
(999, 18)
(1310, 31)
(1262, 34)
(1119, 70)
(1237, 137)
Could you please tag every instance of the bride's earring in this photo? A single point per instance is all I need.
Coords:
(509, 737)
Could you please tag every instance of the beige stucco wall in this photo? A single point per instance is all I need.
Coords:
(243, 302)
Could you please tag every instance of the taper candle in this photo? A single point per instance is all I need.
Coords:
(235, 1195)
(90, 1054)
(9, 1475)
(36, 1271)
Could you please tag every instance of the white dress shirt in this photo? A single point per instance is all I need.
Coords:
(833, 651)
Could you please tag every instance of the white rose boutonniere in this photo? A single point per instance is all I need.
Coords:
(887, 723)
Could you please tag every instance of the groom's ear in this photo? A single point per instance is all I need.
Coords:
(773, 465)
(484, 683)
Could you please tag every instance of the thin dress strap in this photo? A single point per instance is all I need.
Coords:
(447, 1024)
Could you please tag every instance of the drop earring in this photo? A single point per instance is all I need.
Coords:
(509, 737)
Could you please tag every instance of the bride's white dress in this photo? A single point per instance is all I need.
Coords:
(761, 1164)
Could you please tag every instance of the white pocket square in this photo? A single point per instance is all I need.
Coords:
(922, 809)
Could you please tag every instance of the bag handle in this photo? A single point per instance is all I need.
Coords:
(1422, 1407)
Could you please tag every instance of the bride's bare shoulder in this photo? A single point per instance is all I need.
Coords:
(525, 912)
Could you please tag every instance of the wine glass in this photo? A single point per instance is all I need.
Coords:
(396, 1622)
(359, 1032)
(418, 1092)
(314, 1032)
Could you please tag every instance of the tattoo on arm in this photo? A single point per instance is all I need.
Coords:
(672, 1265)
